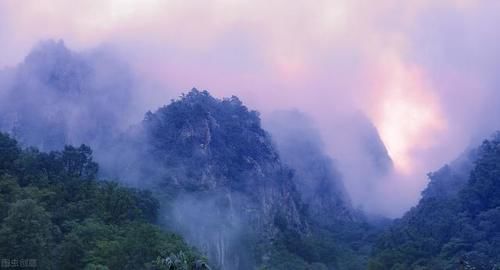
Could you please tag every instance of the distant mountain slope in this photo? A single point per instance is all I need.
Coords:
(371, 143)
(455, 223)
(57, 97)
(354, 142)
(316, 176)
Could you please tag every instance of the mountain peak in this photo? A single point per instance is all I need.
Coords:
(218, 159)
(48, 49)
(55, 66)
(200, 127)
(58, 96)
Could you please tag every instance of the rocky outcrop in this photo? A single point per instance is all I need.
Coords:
(230, 188)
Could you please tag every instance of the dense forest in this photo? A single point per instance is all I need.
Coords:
(456, 223)
(57, 215)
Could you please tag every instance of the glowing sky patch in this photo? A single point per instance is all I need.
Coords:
(408, 115)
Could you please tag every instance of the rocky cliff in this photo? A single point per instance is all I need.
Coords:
(227, 183)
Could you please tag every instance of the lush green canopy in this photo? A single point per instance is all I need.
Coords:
(55, 214)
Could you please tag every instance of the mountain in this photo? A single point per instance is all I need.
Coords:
(455, 224)
(57, 97)
(316, 176)
(355, 143)
(230, 191)
(206, 169)
(225, 187)
(362, 133)
(225, 179)
(220, 180)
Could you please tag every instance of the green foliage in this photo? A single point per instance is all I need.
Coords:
(447, 232)
(9, 152)
(345, 247)
(27, 232)
(54, 211)
(199, 130)
(179, 261)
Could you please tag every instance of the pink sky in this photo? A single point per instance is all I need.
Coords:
(421, 70)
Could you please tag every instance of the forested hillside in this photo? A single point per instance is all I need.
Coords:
(55, 214)
(457, 222)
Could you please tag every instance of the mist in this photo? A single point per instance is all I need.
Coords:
(420, 74)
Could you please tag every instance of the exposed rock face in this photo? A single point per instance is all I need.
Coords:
(318, 180)
(227, 177)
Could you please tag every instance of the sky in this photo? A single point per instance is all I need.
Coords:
(423, 71)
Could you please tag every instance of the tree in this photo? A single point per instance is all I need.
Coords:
(77, 162)
(27, 233)
(9, 152)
